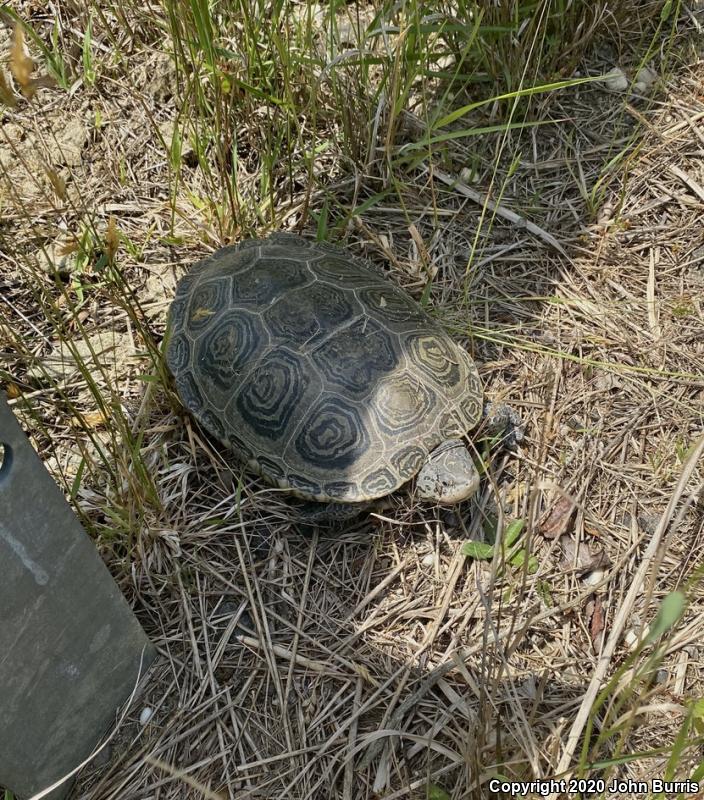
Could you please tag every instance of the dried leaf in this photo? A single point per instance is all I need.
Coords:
(65, 248)
(581, 558)
(21, 65)
(112, 239)
(559, 518)
(57, 182)
(201, 313)
(92, 419)
(420, 244)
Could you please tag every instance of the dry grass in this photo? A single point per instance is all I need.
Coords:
(379, 660)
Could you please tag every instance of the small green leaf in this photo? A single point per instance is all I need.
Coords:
(478, 550)
(543, 589)
(520, 559)
(672, 608)
(436, 792)
(513, 531)
(665, 11)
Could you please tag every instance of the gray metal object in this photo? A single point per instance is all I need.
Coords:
(70, 648)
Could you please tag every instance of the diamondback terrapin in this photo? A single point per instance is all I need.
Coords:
(324, 377)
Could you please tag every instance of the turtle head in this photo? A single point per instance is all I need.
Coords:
(449, 475)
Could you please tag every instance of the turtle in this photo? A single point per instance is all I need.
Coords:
(324, 377)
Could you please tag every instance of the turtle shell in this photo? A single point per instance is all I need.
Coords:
(322, 375)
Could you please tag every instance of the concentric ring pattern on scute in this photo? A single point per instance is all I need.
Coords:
(322, 375)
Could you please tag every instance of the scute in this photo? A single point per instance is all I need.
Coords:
(320, 373)
(333, 435)
(189, 391)
(357, 357)
(179, 353)
(380, 482)
(271, 394)
(388, 303)
(268, 279)
(309, 314)
(406, 461)
(208, 299)
(401, 403)
(224, 352)
(338, 267)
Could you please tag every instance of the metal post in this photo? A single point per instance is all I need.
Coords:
(71, 649)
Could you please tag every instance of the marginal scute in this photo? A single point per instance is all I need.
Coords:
(386, 302)
(178, 354)
(451, 423)
(435, 356)
(290, 241)
(304, 486)
(214, 422)
(380, 482)
(185, 289)
(316, 370)
(337, 267)
(408, 460)
(342, 491)
(189, 391)
(271, 467)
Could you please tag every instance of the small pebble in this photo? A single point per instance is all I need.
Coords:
(616, 80)
(645, 78)
(594, 577)
(428, 560)
(633, 638)
(146, 715)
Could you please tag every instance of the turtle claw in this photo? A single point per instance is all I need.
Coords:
(500, 420)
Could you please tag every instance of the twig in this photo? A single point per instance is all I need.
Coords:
(501, 211)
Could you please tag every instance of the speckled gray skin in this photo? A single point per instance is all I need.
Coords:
(323, 376)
